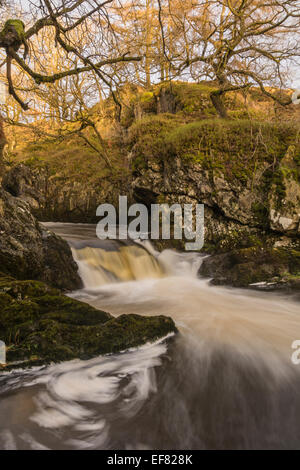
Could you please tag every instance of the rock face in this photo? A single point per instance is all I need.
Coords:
(246, 174)
(59, 199)
(54, 199)
(27, 251)
(40, 325)
(227, 207)
(180, 181)
(285, 207)
(23, 183)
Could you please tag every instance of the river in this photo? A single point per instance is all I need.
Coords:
(225, 382)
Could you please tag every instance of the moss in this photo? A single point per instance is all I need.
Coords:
(147, 97)
(237, 239)
(280, 188)
(296, 158)
(148, 137)
(23, 289)
(235, 149)
(18, 26)
(190, 98)
(40, 325)
(139, 163)
(5, 300)
(261, 214)
(237, 137)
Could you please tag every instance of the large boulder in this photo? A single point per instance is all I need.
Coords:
(267, 267)
(40, 325)
(247, 174)
(21, 182)
(27, 251)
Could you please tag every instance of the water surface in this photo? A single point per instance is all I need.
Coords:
(226, 381)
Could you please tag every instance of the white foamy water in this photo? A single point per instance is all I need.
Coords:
(100, 267)
(257, 326)
(68, 397)
(227, 381)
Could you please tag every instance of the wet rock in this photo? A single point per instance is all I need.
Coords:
(235, 169)
(21, 182)
(27, 251)
(254, 266)
(40, 325)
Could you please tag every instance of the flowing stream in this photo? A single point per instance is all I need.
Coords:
(225, 382)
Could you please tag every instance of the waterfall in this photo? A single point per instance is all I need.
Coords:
(98, 266)
(226, 381)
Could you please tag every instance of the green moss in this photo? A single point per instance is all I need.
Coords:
(147, 97)
(236, 239)
(190, 98)
(148, 137)
(5, 300)
(234, 149)
(296, 157)
(139, 163)
(18, 25)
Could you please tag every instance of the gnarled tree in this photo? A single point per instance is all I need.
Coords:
(235, 43)
(100, 55)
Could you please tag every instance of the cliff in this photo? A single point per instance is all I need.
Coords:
(171, 147)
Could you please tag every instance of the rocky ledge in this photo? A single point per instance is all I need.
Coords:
(40, 325)
(27, 251)
(260, 267)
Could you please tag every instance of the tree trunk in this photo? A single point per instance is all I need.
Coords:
(2, 144)
(218, 103)
(148, 43)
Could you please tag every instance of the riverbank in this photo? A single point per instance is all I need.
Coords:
(40, 325)
(230, 364)
(170, 147)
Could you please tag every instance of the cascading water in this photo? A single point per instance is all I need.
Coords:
(227, 381)
(98, 266)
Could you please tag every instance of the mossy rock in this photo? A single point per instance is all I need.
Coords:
(29, 250)
(40, 325)
(252, 265)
